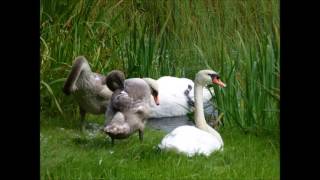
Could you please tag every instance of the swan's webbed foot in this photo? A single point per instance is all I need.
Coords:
(140, 135)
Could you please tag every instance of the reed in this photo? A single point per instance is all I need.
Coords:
(239, 39)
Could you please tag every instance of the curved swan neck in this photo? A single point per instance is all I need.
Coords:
(199, 114)
(80, 64)
(200, 120)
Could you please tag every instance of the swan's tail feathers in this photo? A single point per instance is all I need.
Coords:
(187, 93)
(74, 74)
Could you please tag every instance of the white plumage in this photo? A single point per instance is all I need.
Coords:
(173, 101)
(190, 141)
(201, 139)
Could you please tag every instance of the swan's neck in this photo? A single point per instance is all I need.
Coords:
(200, 120)
(80, 65)
(199, 114)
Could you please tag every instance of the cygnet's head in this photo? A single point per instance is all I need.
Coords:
(115, 80)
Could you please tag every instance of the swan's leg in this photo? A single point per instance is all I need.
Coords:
(140, 135)
(82, 118)
(112, 141)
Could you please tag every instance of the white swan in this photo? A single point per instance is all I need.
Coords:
(173, 97)
(201, 139)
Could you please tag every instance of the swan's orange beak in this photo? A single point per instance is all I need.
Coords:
(219, 82)
(156, 100)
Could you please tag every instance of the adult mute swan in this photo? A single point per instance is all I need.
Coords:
(176, 97)
(129, 106)
(88, 88)
(201, 139)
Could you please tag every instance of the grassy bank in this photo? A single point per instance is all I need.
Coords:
(67, 153)
(240, 39)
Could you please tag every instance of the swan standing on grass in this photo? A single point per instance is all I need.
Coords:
(88, 88)
(129, 106)
(176, 97)
(201, 139)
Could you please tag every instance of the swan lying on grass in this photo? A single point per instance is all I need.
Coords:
(201, 139)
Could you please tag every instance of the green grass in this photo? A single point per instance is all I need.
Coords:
(67, 153)
(240, 39)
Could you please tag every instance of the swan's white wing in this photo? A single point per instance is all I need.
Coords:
(190, 140)
(173, 101)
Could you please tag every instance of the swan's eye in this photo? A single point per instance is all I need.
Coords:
(213, 76)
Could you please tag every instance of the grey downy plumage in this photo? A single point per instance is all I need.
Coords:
(88, 88)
